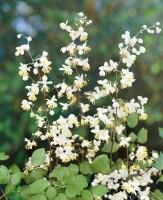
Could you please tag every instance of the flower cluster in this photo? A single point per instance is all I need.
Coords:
(131, 180)
(107, 126)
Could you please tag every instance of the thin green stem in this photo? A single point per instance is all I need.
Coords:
(79, 103)
(50, 148)
(115, 124)
(4, 194)
(46, 113)
(127, 152)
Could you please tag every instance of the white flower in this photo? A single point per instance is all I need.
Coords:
(29, 144)
(85, 143)
(140, 41)
(107, 86)
(127, 78)
(142, 49)
(84, 63)
(141, 153)
(144, 26)
(24, 69)
(154, 155)
(51, 112)
(143, 195)
(64, 106)
(71, 48)
(127, 58)
(44, 83)
(40, 120)
(126, 37)
(31, 96)
(125, 141)
(79, 81)
(115, 103)
(67, 69)
(20, 50)
(33, 88)
(26, 105)
(79, 33)
(83, 48)
(66, 27)
(118, 196)
(45, 63)
(102, 134)
(142, 100)
(66, 153)
(131, 107)
(37, 133)
(29, 39)
(106, 68)
(52, 102)
(63, 25)
(81, 14)
(83, 34)
(158, 30)
(120, 129)
(85, 107)
(19, 35)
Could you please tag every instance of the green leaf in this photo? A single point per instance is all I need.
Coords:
(14, 168)
(9, 188)
(70, 179)
(27, 178)
(142, 136)
(107, 147)
(50, 193)
(86, 168)
(37, 174)
(158, 163)
(74, 168)
(118, 164)
(61, 196)
(101, 164)
(38, 186)
(38, 157)
(132, 120)
(24, 191)
(3, 156)
(38, 197)
(72, 190)
(160, 179)
(81, 181)
(60, 172)
(4, 175)
(156, 195)
(86, 195)
(99, 190)
(133, 137)
(132, 147)
(14, 196)
(160, 132)
(57, 183)
(16, 178)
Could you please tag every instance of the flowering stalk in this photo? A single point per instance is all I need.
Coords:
(123, 178)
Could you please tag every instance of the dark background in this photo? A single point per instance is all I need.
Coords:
(40, 19)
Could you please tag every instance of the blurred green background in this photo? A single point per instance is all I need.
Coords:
(40, 19)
